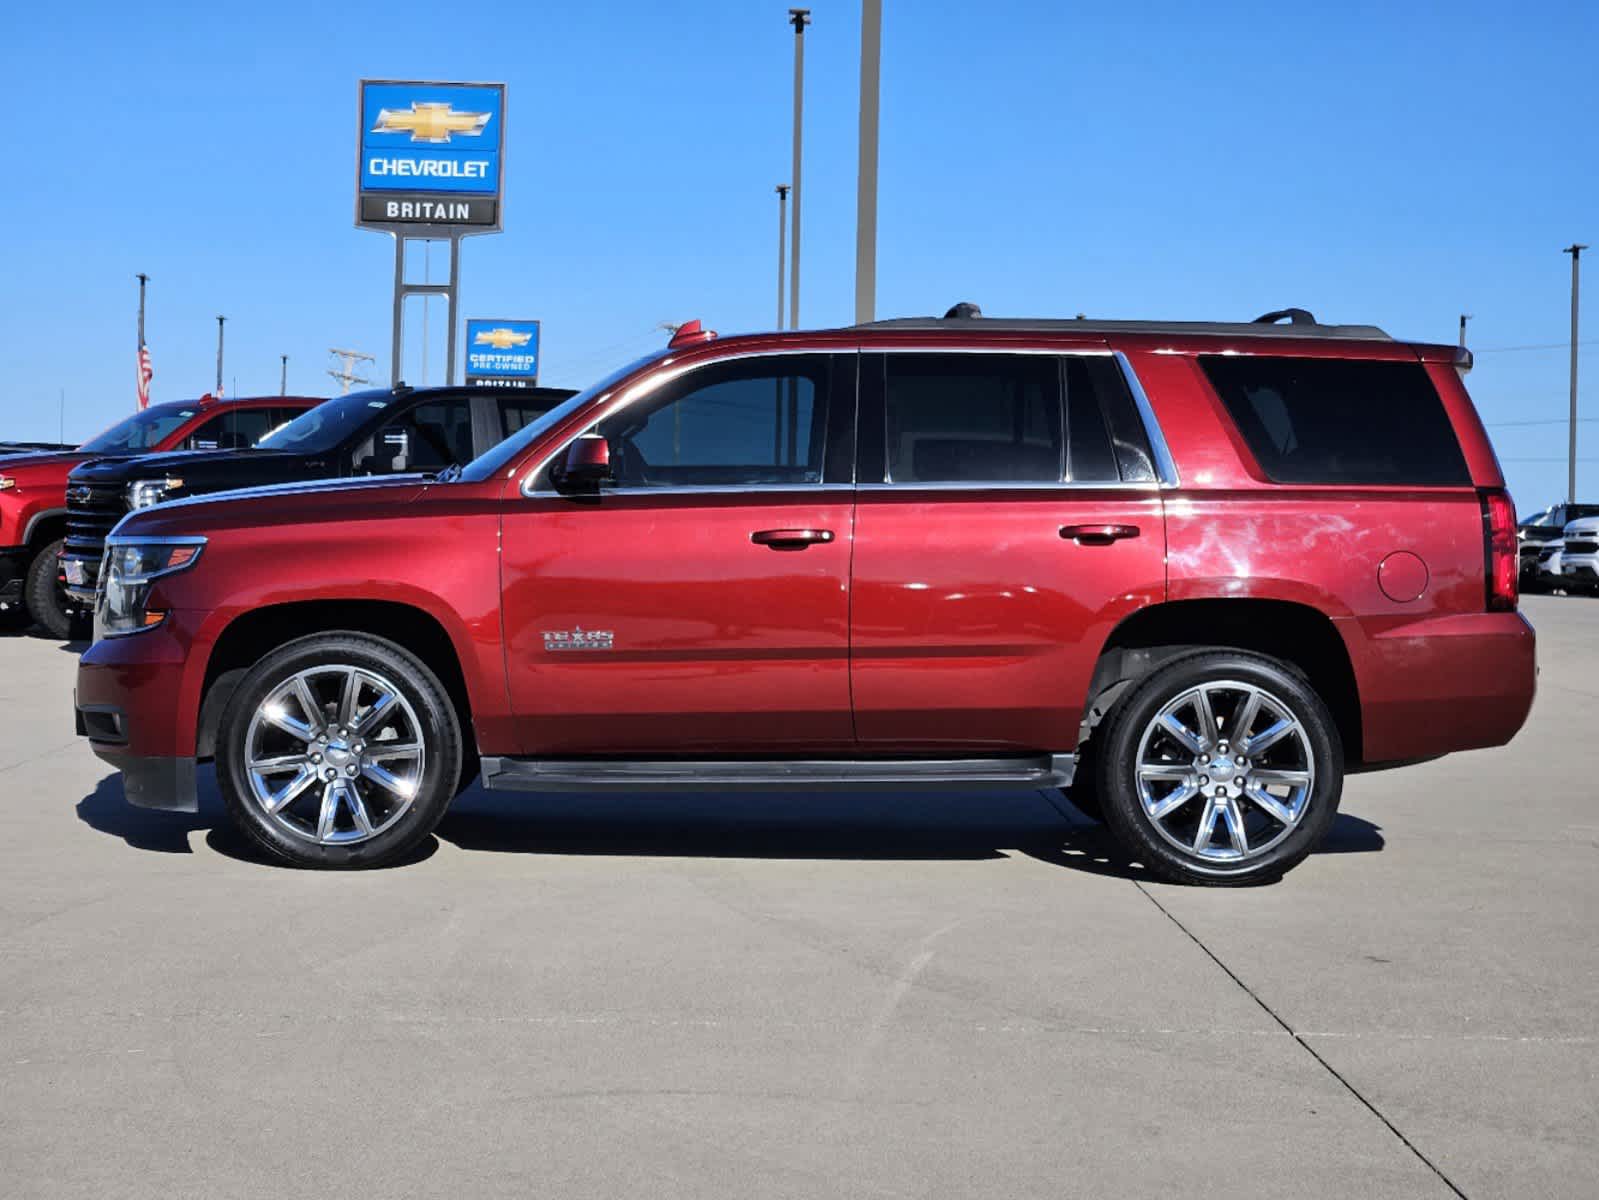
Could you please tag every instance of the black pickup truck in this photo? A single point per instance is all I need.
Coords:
(388, 432)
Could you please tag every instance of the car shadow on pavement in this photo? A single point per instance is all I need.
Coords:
(106, 810)
(867, 826)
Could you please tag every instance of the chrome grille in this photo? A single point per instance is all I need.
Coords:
(1582, 545)
(92, 512)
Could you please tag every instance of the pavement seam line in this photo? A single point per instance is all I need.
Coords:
(1308, 1048)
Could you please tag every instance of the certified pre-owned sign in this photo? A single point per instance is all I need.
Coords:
(430, 154)
(501, 353)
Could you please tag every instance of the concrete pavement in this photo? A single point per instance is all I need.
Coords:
(799, 996)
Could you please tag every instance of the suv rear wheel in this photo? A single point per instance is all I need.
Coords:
(1221, 768)
(339, 750)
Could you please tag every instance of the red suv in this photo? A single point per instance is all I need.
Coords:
(33, 488)
(1192, 573)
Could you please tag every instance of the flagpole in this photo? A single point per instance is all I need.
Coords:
(139, 350)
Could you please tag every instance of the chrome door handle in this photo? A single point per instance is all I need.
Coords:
(1098, 535)
(790, 539)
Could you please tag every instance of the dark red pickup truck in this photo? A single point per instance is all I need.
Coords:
(1193, 573)
(33, 487)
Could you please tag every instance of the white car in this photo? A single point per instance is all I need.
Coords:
(1579, 556)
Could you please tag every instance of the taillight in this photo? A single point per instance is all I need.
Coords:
(1501, 553)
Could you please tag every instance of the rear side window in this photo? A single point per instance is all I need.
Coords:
(973, 418)
(1107, 439)
(1318, 420)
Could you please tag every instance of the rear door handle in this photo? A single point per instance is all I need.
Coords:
(1098, 535)
(790, 539)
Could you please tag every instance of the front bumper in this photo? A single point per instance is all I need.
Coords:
(13, 574)
(137, 702)
(1579, 568)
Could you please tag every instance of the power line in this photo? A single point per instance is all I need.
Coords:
(1542, 421)
(1536, 346)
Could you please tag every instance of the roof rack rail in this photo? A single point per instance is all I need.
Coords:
(1300, 323)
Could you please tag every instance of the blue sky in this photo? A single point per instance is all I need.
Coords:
(1391, 163)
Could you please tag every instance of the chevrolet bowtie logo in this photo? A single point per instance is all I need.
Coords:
(430, 121)
(502, 338)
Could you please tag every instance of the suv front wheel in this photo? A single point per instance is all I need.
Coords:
(1222, 768)
(339, 750)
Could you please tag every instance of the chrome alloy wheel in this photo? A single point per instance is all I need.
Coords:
(335, 755)
(1225, 771)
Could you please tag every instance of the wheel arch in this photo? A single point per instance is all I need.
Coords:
(42, 525)
(1297, 634)
(254, 634)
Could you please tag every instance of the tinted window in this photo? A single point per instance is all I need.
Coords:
(1313, 420)
(327, 426)
(235, 430)
(428, 437)
(518, 412)
(973, 418)
(1092, 457)
(757, 422)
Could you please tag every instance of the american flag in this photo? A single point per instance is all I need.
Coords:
(146, 373)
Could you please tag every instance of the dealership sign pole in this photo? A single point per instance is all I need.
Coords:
(429, 167)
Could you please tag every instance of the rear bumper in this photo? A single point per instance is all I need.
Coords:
(1445, 684)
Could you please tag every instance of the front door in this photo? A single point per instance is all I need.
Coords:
(698, 603)
(1013, 518)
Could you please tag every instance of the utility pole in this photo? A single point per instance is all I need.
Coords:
(346, 371)
(221, 321)
(799, 18)
(1464, 317)
(283, 379)
(782, 245)
(1575, 251)
(866, 176)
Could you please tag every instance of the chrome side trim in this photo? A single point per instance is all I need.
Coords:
(699, 490)
(1165, 465)
(1084, 485)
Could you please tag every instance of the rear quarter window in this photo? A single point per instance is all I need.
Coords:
(1319, 420)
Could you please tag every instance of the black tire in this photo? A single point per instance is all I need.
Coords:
(1124, 732)
(42, 594)
(438, 730)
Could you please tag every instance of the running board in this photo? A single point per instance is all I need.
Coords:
(671, 775)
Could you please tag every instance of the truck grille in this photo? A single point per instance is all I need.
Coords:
(92, 512)
(1584, 546)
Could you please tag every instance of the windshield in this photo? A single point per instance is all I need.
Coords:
(141, 432)
(491, 462)
(327, 426)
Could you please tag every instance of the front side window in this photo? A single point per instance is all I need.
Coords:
(429, 437)
(235, 430)
(758, 422)
(973, 418)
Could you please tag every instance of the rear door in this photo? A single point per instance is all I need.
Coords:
(1009, 514)
(698, 603)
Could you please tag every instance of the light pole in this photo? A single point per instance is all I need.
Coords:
(799, 18)
(220, 322)
(782, 245)
(1575, 251)
(866, 178)
(1464, 317)
(283, 379)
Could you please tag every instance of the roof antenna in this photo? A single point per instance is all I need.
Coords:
(963, 311)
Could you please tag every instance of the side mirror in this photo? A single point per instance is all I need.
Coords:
(588, 462)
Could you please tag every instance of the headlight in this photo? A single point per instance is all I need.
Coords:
(129, 570)
(142, 493)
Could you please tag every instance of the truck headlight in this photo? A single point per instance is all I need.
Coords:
(127, 574)
(142, 493)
